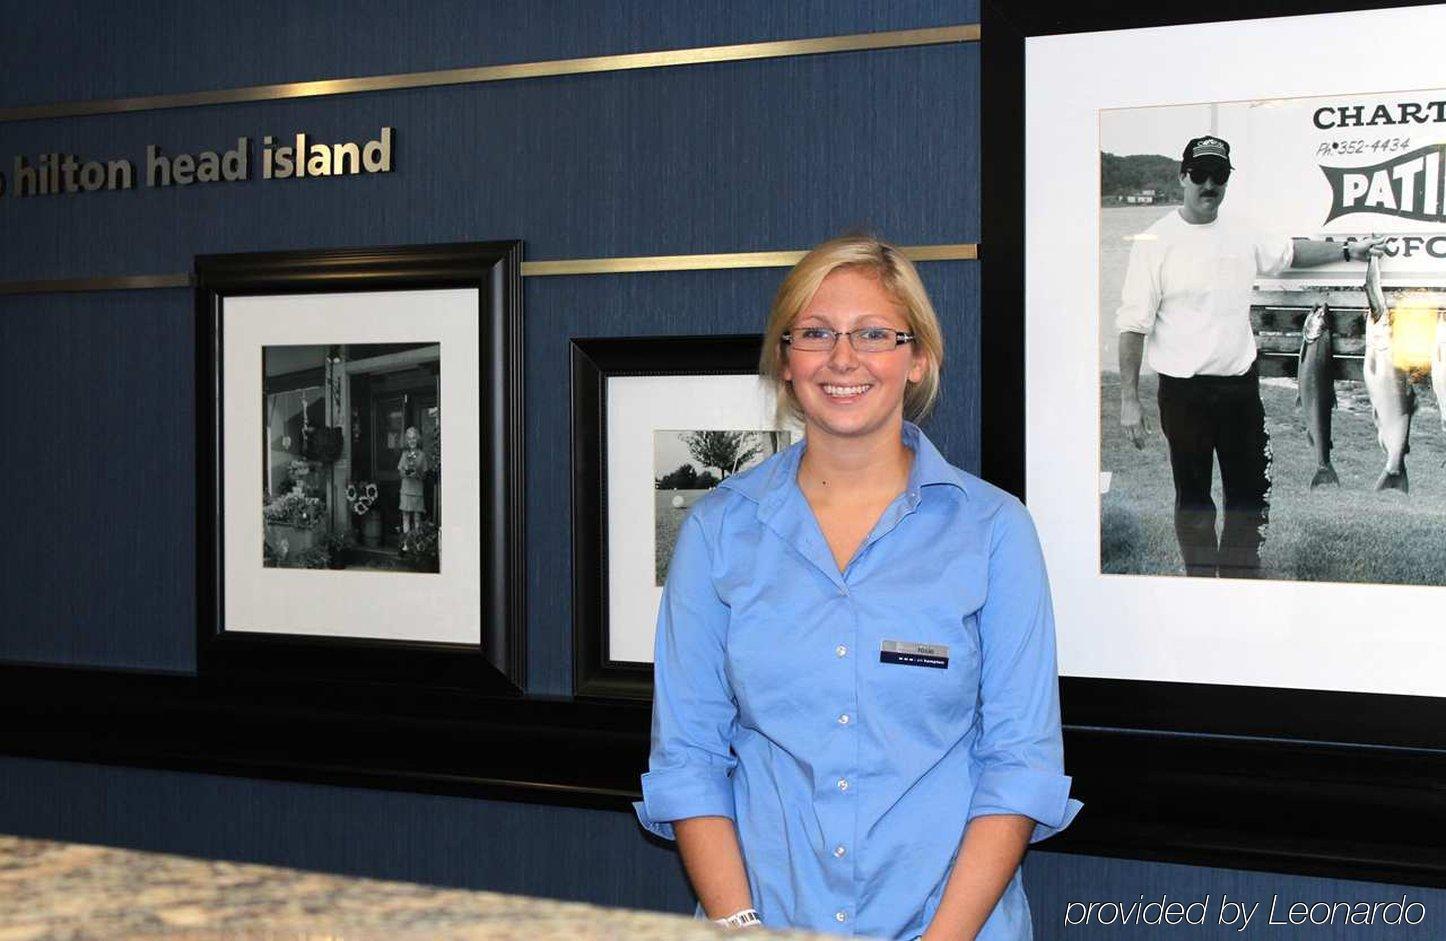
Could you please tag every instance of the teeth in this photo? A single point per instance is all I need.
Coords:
(845, 390)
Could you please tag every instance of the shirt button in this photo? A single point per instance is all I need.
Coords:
(843, 590)
(843, 784)
(838, 850)
(840, 916)
(843, 719)
(841, 650)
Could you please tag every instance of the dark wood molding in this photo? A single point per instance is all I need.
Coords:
(1277, 805)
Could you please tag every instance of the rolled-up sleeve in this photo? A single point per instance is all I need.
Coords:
(694, 712)
(1274, 253)
(1019, 751)
(1140, 295)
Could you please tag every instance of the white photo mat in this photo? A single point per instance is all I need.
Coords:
(443, 607)
(637, 406)
(1326, 636)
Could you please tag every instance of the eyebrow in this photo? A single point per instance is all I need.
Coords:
(865, 318)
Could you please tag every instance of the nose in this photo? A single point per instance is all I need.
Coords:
(843, 357)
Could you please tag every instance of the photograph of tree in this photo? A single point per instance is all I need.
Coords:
(688, 464)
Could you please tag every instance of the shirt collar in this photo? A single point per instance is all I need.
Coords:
(929, 465)
(770, 482)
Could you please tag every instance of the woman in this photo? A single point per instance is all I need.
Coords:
(856, 715)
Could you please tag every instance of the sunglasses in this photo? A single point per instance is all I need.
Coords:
(1199, 175)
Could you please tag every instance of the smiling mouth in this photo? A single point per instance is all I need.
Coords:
(846, 392)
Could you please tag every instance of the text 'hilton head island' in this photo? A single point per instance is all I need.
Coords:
(58, 173)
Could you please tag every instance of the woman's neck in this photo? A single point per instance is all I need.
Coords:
(847, 467)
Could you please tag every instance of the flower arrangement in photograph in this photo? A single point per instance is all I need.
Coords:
(360, 495)
(433, 447)
(410, 463)
(420, 545)
(294, 509)
(317, 557)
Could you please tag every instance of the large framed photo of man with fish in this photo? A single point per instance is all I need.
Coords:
(1226, 242)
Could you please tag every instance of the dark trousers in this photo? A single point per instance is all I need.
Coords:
(1205, 418)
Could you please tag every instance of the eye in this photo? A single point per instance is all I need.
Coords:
(813, 333)
(876, 334)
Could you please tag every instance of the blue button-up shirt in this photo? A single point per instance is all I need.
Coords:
(850, 772)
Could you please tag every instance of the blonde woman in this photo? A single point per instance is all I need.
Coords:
(856, 714)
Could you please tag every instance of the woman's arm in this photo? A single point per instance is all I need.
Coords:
(1021, 793)
(709, 847)
(687, 790)
(991, 850)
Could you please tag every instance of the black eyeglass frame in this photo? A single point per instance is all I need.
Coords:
(900, 338)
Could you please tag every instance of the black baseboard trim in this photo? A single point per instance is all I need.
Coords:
(1339, 811)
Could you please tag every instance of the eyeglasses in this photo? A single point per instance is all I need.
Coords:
(863, 340)
(1198, 175)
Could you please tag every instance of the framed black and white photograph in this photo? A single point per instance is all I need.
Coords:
(353, 457)
(657, 423)
(335, 384)
(1241, 569)
(1351, 394)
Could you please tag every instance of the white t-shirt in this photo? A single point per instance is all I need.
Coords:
(1188, 288)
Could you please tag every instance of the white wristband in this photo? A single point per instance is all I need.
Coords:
(740, 919)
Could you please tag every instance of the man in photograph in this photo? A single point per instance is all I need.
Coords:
(1185, 310)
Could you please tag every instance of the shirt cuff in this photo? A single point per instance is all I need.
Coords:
(1040, 795)
(655, 827)
(679, 793)
(1131, 324)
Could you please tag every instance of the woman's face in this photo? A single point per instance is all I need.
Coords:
(412, 437)
(843, 392)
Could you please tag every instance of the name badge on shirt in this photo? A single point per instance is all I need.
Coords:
(916, 655)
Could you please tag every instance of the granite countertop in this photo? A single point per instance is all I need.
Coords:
(77, 892)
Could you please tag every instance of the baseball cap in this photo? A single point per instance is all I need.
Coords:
(1206, 148)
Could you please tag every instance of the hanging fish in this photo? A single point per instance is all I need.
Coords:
(1315, 378)
(1393, 401)
(1438, 367)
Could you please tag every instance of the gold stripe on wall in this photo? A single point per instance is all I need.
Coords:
(959, 251)
(964, 251)
(135, 282)
(854, 42)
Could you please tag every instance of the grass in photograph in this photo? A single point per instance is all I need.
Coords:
(667, 520)
(1349, 533)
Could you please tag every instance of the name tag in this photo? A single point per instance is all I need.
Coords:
(915, 655)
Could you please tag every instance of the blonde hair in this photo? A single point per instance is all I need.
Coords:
(899, 279)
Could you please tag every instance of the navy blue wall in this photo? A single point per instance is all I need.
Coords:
(726, 157)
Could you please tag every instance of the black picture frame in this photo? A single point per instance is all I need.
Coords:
(496, 665)
(1288, 780)
(595, 360)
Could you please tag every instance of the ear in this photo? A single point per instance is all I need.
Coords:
(917, 367)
